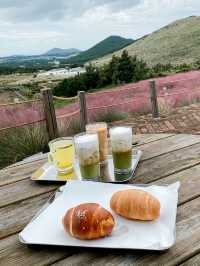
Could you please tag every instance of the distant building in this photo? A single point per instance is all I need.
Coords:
(56, 63)
(66, 72)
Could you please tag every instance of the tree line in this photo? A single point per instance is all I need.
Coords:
(120, 70)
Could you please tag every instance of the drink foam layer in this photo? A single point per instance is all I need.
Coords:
(91, 140)
(121, 138)
(87, 148)
(121, 131)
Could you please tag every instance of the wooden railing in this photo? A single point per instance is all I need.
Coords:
(50, 118)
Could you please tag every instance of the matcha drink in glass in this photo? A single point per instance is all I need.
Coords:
(87, 151)
(121, 143)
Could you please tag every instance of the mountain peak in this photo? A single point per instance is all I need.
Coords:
(108, 45)
(175, 43)
(62, 52)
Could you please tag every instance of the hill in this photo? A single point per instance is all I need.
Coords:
(107, 46)
(61, 52)
(176, 43)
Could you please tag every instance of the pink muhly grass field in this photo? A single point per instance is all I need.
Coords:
(176, 90)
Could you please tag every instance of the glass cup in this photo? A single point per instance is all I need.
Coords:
(62, 154)
(87, 151)
(102, 130)
(121, 144)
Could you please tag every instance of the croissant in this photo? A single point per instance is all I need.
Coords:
(88, 221)
(135, 204)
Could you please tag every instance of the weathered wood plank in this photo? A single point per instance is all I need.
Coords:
(153, 98)
(30, 159)
(13, 217)
(190, 183)
(51, 122)
(83, 110)
(194, 261)
(167, 164)
(187, 243)
(142, 139)
(83, 259)
(188, 240)
(17, 173)
(12, 252)
(167, 145)
(22, 190)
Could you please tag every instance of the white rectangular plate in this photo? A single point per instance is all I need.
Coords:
(47, 228)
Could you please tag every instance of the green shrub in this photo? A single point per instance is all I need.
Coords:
(125, 68)
(119, 70)
(19, 143)
(140, 69)
(111, 116)
(69, 130)
(183, 68)
(74, 127)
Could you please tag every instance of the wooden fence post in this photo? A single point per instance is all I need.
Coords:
(153, 97)
(50, 115)
(83, 110)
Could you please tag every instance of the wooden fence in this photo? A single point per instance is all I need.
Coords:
(49, 115)
(51, 121)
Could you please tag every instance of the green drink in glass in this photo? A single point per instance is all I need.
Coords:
(121, 143)
(87, 151)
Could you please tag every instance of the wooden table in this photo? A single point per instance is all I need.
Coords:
(167, 158)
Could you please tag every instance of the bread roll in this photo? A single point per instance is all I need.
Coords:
(88, 221)
(135, 204)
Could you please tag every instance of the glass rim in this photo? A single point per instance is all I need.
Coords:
(60, 138)
(97, 123)
(83, 134)
(110, 129)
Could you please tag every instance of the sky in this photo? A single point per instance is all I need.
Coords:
(35, 26)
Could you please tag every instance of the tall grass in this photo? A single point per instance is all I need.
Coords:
(19, 143)
(188, 100)
(164, 106)
(110, 116)
(74, 126)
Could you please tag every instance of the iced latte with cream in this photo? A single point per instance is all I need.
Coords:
(87, 150)
(121, 143)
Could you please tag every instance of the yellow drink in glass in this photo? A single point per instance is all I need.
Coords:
(62, 154)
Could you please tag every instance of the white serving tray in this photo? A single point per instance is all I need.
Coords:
(47, 229)
(48, 171)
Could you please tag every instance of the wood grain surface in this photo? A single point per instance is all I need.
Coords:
(167, 158)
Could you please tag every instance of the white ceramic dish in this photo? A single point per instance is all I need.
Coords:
(47, 229)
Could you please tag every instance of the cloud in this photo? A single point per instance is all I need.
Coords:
(34, 26)
(24, 10)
